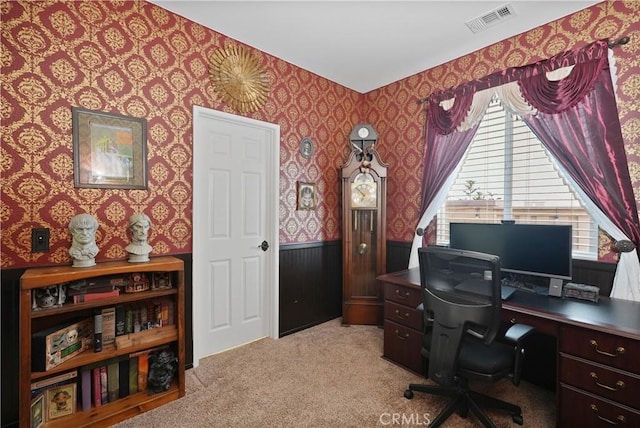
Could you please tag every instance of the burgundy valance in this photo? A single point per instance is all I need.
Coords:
(545, 95)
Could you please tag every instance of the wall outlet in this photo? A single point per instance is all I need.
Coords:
(39, 240)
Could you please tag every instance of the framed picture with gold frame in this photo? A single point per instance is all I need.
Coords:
(109, 150)
(307, 198)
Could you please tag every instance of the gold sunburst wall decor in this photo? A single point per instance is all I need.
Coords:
(239, 78)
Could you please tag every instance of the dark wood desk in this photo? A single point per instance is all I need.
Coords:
(598, 347)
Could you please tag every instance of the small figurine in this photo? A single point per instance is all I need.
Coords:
(83, 246)
(162, 366)
(138, 249)
(49, 297)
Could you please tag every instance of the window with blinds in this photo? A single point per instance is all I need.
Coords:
(507, 174)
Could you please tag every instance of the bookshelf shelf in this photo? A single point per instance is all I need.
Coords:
(129, 346)
(122, 298)
(111, 413)
(108, 352)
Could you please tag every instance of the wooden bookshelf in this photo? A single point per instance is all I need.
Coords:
(32, 320)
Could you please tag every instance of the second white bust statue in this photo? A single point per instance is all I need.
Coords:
(139, 249)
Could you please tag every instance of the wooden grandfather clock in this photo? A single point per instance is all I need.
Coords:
(364, 255)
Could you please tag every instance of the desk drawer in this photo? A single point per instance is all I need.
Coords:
(540, 324)
(607, 382)
(409, 296)
(604, 348)
(582, 409)
(404, 315)
(403, 345)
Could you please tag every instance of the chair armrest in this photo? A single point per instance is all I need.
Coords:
(515, 335)
(426, 316)
(517, 332)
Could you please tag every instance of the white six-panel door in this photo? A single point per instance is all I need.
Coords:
(235, 209)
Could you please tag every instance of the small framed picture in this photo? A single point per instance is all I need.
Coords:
(37, 411)
(307, 199)
(306, 147)
(161, 280)
(61, 401)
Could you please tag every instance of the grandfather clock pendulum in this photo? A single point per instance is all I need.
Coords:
(364, 255)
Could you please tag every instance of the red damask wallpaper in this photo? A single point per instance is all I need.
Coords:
(137, 59)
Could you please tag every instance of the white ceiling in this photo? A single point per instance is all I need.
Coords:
(365, 45)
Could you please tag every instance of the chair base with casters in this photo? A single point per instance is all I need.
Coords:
(463, 399)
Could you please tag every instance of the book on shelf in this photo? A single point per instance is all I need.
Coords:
(143, 316)
(97, 330)
(85, 388)
(128, 319)
(123, 377)
(97, 387)
(143, 371)
(133, 375)
(108, 325)
(104, 391)
(120, 320)
(90, 297)
(113, 380)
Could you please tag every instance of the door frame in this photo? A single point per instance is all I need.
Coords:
(271, 232)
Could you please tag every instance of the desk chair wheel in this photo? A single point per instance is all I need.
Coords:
(517, 419)
(408, 394)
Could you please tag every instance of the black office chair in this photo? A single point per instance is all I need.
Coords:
(460, 332)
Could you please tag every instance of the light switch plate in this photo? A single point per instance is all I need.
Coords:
(39, 240)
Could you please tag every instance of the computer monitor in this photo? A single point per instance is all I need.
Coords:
(529, 249)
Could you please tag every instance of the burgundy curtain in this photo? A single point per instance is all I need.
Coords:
(443, 147)
(578, 122)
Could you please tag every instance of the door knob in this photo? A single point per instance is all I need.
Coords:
(264, 246)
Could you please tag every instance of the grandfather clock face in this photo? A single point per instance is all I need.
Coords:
(364, 191)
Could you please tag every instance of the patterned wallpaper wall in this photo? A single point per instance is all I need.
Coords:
(136, 59)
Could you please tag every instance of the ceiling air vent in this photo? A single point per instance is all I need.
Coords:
(491, 18)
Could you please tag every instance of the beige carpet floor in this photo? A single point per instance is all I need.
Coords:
(325, 376)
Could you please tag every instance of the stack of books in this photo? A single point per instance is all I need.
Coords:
(94, 289)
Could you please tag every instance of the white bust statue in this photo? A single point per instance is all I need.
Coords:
(83, 245)
(138, 249)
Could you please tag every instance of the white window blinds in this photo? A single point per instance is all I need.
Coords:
(507, 174)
